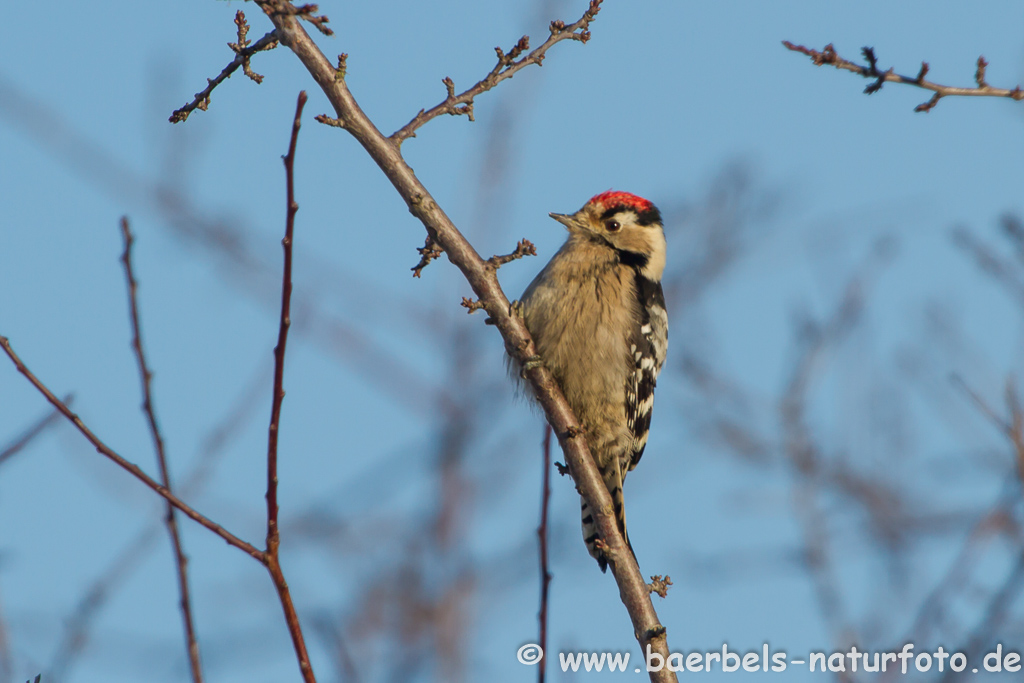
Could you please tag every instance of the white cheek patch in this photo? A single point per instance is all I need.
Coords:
(656, 249)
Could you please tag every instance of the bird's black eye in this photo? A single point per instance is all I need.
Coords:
(613, 225)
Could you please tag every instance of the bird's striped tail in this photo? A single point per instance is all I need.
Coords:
(590, 532)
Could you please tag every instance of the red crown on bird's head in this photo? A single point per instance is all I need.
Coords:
(613, 199)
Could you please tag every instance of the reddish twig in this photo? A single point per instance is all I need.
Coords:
(273, 535)
(244, 50)
(131, 467)
(870, 70)
(146, 378)
(508, 65)
(484, 282)
(26, 437)
(542, 539)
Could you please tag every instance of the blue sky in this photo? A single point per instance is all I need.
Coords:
(664, 97)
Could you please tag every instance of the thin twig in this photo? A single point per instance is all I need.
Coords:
(542, 539)
(146, 379)
(428, 252)
(523, 248)
(243, 53)
(508, 65)
(484, 282)
(131, 467)
(471, 305)
(243, 42)
(870, 70)
(273, 534)
(26, 437)
(660, 584)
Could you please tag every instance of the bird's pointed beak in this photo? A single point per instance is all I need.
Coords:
(568, 221)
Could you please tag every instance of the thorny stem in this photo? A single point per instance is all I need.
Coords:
(146, 378)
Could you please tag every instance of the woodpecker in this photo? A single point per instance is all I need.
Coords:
(597, 316)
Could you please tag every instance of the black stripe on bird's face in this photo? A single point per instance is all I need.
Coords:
(634, 259)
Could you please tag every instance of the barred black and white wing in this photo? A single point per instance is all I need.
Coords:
(648, 345)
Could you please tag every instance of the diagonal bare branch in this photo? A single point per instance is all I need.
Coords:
(508, 65)
(131, 467)
(829, 56)
(482, 278)
(244, 50)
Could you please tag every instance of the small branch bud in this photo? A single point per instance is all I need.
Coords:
(979, 74)
(471, 305)
(428, 252)
(244, 49)
(869, 54)
(929, 105)
(659, 585)
(328, 121)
